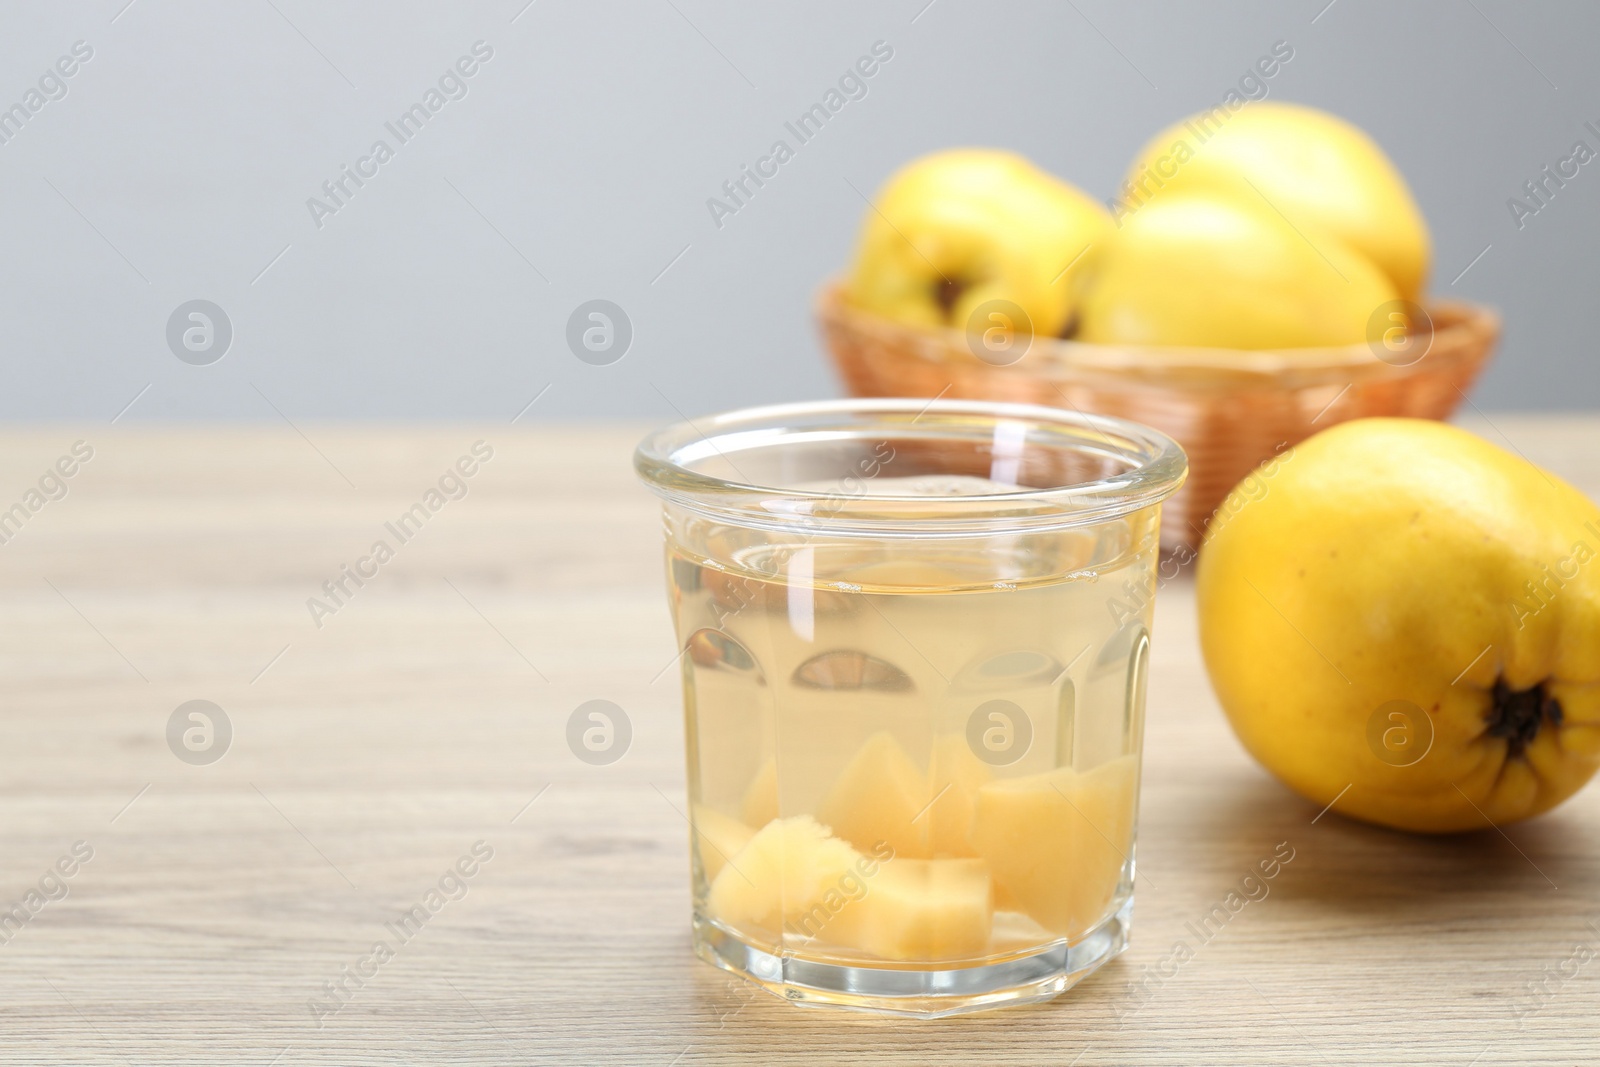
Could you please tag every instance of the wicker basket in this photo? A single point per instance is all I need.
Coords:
(1230, 410)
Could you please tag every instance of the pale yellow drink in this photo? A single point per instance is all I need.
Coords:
(846, 804)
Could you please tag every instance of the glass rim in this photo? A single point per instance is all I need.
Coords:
(1156, 467)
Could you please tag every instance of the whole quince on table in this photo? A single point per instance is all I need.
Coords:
(1405, 619)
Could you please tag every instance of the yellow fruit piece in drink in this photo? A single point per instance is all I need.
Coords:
(784, 872)
(717, 837)
(1056, 842)
(761, 796)
(1003, 900)
(879, 798)
(954, 781)
(916, 910)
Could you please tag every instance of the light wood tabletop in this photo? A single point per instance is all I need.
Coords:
(408, 737)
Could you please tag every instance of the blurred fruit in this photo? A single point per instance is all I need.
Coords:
(1322, 172)
(1056, 842)
(956, 229)
(1414, 614)
(1220, 273)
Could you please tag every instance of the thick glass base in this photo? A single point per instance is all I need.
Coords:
(923, 992)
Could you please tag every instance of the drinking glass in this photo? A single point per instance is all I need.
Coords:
(914, 638)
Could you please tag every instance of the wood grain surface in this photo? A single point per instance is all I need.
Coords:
(371, 754)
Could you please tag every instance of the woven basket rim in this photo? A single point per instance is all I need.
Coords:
(1461, 330)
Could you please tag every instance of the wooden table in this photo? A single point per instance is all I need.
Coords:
(428, 713)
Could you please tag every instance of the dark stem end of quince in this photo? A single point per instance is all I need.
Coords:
(1518, 714)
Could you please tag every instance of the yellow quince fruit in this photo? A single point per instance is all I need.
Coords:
(956, 229)
(1317, 169)
(1213, 272)
(1403, 620)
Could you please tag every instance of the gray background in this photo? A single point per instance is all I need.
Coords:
(179, 164)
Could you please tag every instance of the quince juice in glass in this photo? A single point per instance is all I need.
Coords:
(913, 747)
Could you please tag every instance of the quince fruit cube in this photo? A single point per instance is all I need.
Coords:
(954, 780)
(761, 796)
(878, 800)
(1056, 842)
(919, 910)
(783, 872)
(716, 837)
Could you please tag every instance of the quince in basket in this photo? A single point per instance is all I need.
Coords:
(1317, 170)
(956, 229)
(1221, 273)
(1270, 226)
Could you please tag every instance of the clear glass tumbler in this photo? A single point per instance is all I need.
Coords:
(914, 642)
